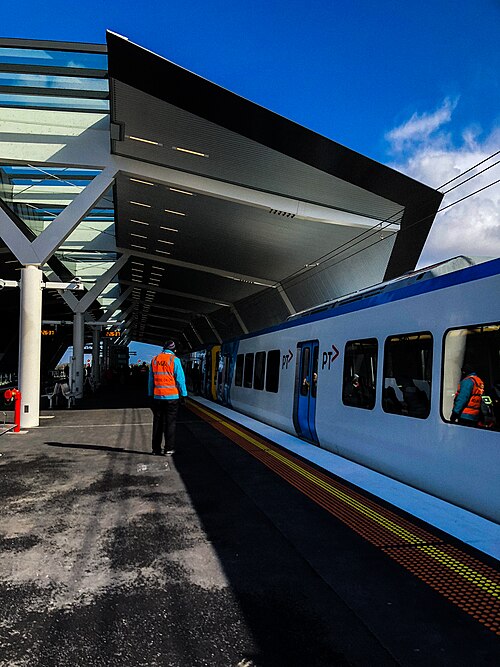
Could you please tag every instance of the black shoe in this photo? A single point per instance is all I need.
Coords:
(169, 452)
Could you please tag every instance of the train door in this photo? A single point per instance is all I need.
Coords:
(306, 386)
(214, 368)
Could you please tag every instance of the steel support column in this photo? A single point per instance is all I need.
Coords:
(96, 343)
(30, 325)
(78, 342)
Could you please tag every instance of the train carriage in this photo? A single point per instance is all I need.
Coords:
(372, 377)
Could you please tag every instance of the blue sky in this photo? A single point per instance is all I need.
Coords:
(351, 70)
(412, 85)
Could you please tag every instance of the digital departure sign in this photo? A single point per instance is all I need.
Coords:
(48, 332)
(111, 334)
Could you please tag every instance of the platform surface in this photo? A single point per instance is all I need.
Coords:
(110, 556)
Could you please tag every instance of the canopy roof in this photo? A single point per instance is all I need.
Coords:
(227, 209)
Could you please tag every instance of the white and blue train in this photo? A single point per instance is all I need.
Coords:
(372, 377)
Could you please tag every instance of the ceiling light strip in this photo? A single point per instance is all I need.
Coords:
(138, 180)
(167, 210)
(191, 152)
(142, 140)
(182, 192)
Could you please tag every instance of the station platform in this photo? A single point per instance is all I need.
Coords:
(237, 551)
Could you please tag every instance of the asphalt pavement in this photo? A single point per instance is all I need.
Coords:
(110, 556)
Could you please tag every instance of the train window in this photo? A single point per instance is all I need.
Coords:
(248, 372)
(360, 373)
(259, 370)
(472, 350)
(273, 370)
(304, 382)
(238, 376)
(314, 376)
(408, 374)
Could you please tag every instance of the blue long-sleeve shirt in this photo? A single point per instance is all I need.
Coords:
(462, 398)
(179, 380)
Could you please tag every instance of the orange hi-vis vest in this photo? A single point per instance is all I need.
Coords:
(163, 375)
(473, 407)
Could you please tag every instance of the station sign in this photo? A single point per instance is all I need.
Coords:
(112, 333)
(47, 331)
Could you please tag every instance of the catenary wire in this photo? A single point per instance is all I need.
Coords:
(334, 253)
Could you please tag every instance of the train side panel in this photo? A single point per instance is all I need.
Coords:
(452, 462)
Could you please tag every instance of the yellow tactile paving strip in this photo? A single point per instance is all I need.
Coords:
(459, 577)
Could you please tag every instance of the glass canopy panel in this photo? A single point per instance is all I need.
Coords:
(15, 79)
(43, 57)
(38, 194)
(46, 102)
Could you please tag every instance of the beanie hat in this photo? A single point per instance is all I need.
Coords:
(169, 345)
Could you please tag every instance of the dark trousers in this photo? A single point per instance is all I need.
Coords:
(164, 418)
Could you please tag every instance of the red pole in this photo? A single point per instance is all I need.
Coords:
(15, 394)
(17, 410)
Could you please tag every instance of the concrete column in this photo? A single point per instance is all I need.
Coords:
(96, 343)
(78, 341)
(30, 343)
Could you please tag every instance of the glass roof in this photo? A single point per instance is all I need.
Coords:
(48, 57)
(69, 78)
(53, 79)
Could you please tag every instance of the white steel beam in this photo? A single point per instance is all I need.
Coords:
(211, 325)
(284, 296)
(240, 321)
(61, 227)
(113, 307)
(87, 300)
(196, 333)
(16, 241)
(127, 312)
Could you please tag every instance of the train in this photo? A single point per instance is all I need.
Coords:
(372, 377)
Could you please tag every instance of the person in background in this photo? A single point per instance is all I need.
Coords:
(167, 386)
(467, 404)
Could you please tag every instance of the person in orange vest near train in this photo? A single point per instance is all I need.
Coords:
(167, 387)
(467, 404)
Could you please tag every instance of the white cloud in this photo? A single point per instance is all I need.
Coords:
(420, 128)
(471, 227)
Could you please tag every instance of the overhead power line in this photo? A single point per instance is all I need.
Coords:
(376, 229)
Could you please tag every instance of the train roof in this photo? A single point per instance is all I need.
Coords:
(451, 272)
(440, 268)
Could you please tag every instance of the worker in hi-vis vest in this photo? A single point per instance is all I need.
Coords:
(167, 386)
(467, 403)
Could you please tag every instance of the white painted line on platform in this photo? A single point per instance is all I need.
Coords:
(98, 425)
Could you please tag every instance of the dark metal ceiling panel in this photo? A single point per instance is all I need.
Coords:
(193, 282)
(161, 108)
(219, 233)
(157, 76)
(229, 156)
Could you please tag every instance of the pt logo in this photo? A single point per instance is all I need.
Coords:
(287, 358)
(329, 357)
